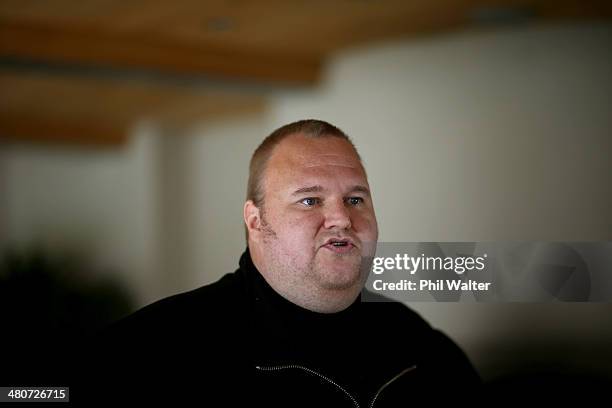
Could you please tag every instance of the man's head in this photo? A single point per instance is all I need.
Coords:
(309, 215)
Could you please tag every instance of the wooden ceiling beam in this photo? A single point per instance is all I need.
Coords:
(57, 130)
(87, 111)
(83, 46)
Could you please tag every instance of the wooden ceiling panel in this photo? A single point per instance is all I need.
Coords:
(269, 40)
(77, 45)
(313, 28)
(78, 109)
(273, 41)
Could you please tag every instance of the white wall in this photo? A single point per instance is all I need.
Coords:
(102, 204)
(206, 172)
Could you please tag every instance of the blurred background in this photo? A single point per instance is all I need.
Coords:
(126, 130)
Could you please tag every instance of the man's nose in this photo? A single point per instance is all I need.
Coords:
(337, 215)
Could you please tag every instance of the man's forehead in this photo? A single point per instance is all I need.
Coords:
(303, 151)
(303, 162)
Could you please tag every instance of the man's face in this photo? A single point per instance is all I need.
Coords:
(316, 224)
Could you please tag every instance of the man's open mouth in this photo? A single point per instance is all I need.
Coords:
(339, 245)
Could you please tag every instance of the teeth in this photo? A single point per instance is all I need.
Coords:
(339, 243)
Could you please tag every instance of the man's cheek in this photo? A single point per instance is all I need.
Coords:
(366, 225)
(305, 221)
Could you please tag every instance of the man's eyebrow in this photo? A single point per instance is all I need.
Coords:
(318, 189)
(311, 189)
(360, 189)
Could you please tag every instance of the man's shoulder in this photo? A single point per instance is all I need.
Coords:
(228, 290)
(160, 344)
(436, 354)
(204, 305)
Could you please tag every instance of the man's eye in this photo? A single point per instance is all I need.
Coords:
(310, 201)
(355, 200)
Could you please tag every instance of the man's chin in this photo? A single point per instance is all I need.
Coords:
(338, 287)
(339, 272)
(341, 280)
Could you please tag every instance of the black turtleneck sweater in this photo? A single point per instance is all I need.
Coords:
(239, 340)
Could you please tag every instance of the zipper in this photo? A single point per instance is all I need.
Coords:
(308, 370)
(385, 385)
(338, 386)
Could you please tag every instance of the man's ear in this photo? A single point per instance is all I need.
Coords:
(252, 219)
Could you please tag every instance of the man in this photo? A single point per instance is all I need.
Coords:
(288, 328)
